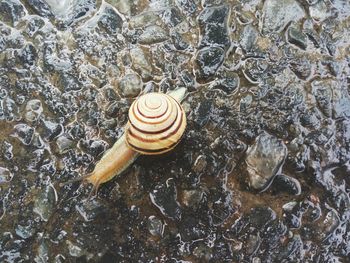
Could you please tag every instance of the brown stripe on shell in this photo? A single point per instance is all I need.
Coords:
(162, 118)
(162, 138)
(150, 117)
(165, 141)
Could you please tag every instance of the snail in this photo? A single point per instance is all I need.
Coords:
(156, 124)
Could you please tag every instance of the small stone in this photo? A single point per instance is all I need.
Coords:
(69, 82)
(90, 209)
(74, 250)
(130, 85)
(286, 184)
(155, 226)
(44, 202)
(200, 164)
(141, 63)
(228, 82)
(144, 19)
(64, 144)
(187, 6)
(51, 129)
(25, 231)
(296, 37)
(264, 159)
(164, 197)
(261, 216)
(5, 175)
(29, 55)
(152, 34)
(278, 13)
(193, 198)
(208, 61)
(319, 11)
(302, 68)
(202, 113)
(11, 11)
(172, 17)
(6, 150)
(248, 38)
(213, 24)
(24, 133)
(110, 20)
(40, 7)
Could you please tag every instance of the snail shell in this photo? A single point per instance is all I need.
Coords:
(156, 124)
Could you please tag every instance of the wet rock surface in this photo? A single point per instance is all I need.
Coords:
(261, 174)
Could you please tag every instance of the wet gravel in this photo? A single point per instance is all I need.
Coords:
(262, 173)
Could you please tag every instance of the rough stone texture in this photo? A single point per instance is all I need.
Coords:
(268, 91)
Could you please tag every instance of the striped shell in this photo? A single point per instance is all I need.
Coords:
(156, 124)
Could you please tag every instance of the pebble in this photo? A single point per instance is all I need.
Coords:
(130, 85)
(24, 133)
(296, 37)
(278, 13)
(213, 24)
(164, 197)
(140, 63)
(152, 34)
(208, 61)
(264, 158)
(155, 226)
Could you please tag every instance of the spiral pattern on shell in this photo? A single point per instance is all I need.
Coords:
(156, 124)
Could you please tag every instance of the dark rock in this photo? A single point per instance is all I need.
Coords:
(24, 133)
(164, 197)
(286, 184)
(40, 7)
(155, 226)
(11, 11)
(187, 6)
(6, 150)
(264, 159)
(228, 83)
(179, 42)
(111, 21)
(292, 250)
(191, 228)
(69, 82)
(29, 55)
(91, 209)
(172, 17)
(187, 80)
(296, 37)
(302, 68)
(255, 70)
(208, 61)
(95, 147)
(51, 129)
(222, 205)
(261, 216)
(213, 24)
(34, 25)
(203, 113)
(278, 13)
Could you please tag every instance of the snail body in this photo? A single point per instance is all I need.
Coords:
(156, 125)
